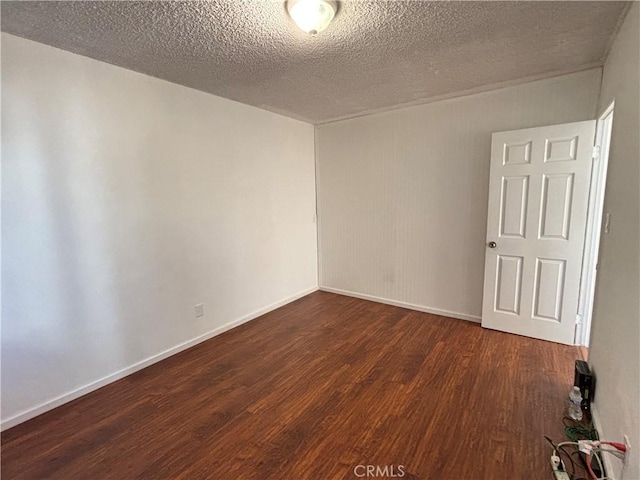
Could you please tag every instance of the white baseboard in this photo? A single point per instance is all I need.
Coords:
(606, 459)
(410, 306)
(79, 392)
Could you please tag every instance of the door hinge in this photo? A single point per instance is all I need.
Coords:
(578, 319)
(595, 154)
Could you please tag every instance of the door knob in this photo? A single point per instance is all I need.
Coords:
(492, 244)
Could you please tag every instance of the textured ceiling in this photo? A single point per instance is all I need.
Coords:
(374, 55)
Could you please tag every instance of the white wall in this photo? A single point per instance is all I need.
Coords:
(615, 335)
(126, 201)
(403, 195)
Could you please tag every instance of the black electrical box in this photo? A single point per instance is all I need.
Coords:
(585, 381)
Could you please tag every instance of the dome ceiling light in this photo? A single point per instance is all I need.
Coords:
(312, 16)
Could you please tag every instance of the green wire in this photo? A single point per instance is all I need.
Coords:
(577, 432)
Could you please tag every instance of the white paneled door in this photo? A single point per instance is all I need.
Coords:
(538, 197)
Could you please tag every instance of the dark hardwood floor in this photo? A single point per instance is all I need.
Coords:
(310, 391)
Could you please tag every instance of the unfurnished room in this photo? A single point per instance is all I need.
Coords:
(318, 240)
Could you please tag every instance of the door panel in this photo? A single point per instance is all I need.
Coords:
(561, 149)
(549, 288)
(557, 193)
(508, 284)
(538, 196)
(513, 206)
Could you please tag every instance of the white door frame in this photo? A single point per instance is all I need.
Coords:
(594, 226)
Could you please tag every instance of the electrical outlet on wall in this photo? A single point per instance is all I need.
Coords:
(199, 310)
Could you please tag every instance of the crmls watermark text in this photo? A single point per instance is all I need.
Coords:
(373, 471)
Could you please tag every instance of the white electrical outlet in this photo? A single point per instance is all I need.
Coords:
(625, 462)
(199, 310)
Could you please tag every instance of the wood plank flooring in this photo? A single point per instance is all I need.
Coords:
(310, 391)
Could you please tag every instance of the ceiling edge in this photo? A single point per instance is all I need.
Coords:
(273, 111)
(464, 93)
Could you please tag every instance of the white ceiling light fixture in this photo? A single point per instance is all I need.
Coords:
(312, 16)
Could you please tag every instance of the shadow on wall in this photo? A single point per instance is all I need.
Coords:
(91, 244)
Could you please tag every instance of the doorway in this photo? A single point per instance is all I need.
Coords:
(543, 230)
(594, 226)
